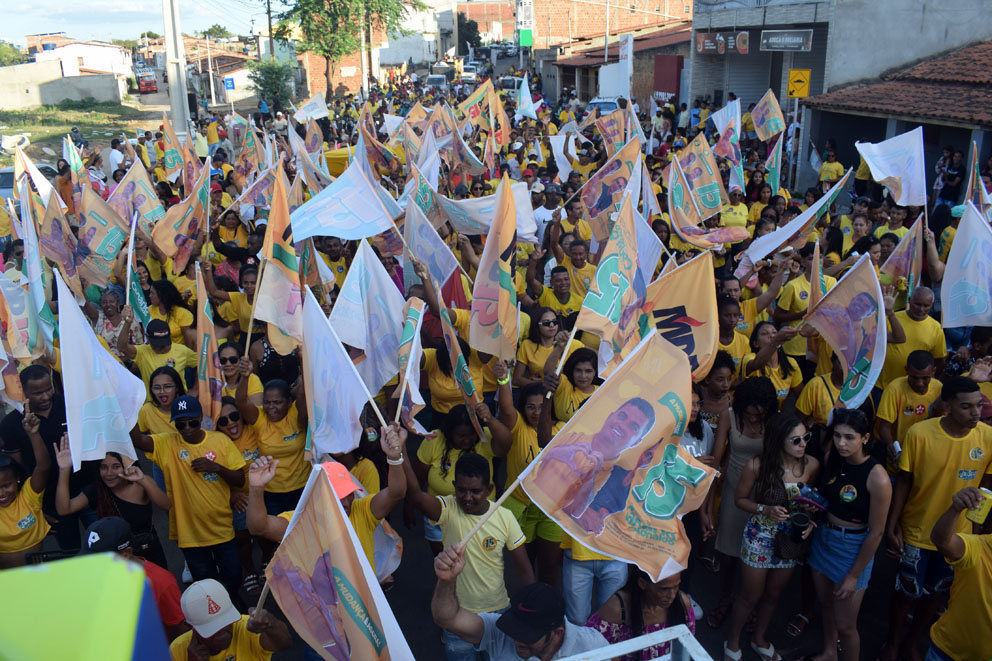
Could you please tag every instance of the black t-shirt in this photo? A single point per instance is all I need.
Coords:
(15, 439)
(949, 192)
(139, 516)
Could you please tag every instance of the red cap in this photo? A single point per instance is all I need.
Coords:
(527, 173)
(216, 188)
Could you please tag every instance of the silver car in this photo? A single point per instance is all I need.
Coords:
(7, 178)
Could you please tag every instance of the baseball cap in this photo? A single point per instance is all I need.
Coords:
(186, 406)
(108, 535)
(216, 188)
(340, 479)
(553, 189)
(158, 333)
(864, 199)
(958, 211)
(208, 608)
(736, 188)
(534, 612)
(527, 172)
(537, 187)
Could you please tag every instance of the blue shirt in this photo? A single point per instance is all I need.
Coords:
(263, 107)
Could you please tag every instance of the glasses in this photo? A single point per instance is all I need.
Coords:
(476, 187)
(224, 420)
(805, 438)
(225, 361)
(183, 424)
(165, 388)
(548, 323)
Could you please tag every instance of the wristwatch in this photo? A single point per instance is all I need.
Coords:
(761, 509)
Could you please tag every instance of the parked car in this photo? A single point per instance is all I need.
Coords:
(470, 74)
(510, 83)
(439, 81)
(604, 104)
(7, 178)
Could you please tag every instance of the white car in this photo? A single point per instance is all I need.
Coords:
(470, 74)
(437, 80)
(510, 83)
(7, 178)
(604, 104)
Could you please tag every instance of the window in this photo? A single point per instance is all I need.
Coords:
(79, 61)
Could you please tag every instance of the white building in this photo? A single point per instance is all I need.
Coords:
(427, 30)
(89, 57)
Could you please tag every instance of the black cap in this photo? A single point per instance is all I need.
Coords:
(185, 407)
(158, 333)
(534, 612)
(552, 188)
(109, 535)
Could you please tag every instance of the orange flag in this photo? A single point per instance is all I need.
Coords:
(611, 127)
(208, 374)
(172, 161)
(493, 327)
(615, 477)
(601, 195)
(177, 234)
(59, 245)
(280, 300)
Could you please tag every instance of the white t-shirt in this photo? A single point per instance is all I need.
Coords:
(500, 647)
(542, 216)
(116, 158)
(698, 447)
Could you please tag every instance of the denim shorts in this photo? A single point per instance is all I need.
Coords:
(833, 554)
(922, 572)
(240, 520)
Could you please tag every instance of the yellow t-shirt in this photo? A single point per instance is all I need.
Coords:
(831, 171)
(534, 356)
(444, 391)
(734, 215)
(884, 229)
(480, 587)
(818, 398)
(794, 297)
(178, 319)
(338, 267)
(254, 387)
(579, 278)
(152, 420)
(755, 212)
(926, 335)
(568, 399)
(366, 473)
(285, 441)
(441, 469)
(783, 384)
(247, 445)
(738, 348)
(523, 450)
(584, 170)
(245, 645)
(580, 552)
(201, 501)
(965, 629)
(362, 520)
(547, 299)
(749, 316)
(904, 407)
(179, 357)
(585, 230)
(238, 235)
(946, 241)
(242, 308)
(22, 524)
(941, 466)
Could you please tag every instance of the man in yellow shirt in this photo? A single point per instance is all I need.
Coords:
(907, 401)
(158, 352)
(939, 457)
(580, 271)
(922, 332)
(964, 631)
(559, 297)
(331, 250)
(793, 302)
(831, 171)
(220, 631)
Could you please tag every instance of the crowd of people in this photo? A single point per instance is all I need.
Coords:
(887, 481)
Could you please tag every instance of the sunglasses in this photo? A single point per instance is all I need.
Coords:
(547, 323)
(183, 424)
(805, 438)
(223, 420)
(232, 360)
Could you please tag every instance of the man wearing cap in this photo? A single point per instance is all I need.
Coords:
(158, 352)
(947, 236)
(113, 535)
(219, 199)
(542, 214)
(534, 626)
(536, 192)
(584, 164)
(220, 631)
(200, 469)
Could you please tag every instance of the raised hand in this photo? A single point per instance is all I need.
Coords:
(30, 422)
(63, 457)
(262, 471)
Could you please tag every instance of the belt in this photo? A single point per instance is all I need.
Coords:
(847, 531)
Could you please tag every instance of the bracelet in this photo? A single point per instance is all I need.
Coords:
(395, 462)
(505, 380)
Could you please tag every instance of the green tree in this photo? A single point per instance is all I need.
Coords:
(468, 34)
(332, 29)
(216, 31)
(129, 44)
(11, 54)
(270, 80)
(150, 35)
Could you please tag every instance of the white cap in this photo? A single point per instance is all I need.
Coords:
(537, 187)
(208, 608)
(516, 145)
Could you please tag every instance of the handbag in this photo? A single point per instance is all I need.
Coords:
(785, 547)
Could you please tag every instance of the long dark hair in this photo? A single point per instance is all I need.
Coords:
(534, 334)
(172, 374)
(676, 615)
(783, 358)
(457, 417)
(770, 470)
(168, 295)
(444, 359)
(695, 428)
(583, 355)
(105, 503)
(857, 420)
(756, 391)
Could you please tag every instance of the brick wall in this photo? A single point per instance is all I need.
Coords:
(313, 66)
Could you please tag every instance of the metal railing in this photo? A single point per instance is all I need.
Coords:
(684, 646)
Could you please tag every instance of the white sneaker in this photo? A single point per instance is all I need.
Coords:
(188, 577)
(697, 610)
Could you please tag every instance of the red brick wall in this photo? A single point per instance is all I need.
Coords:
(314, 65)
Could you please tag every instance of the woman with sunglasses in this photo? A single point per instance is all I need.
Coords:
(533, 351)
(228, 355)
(766, 488)
(246, 440)
(478, 189)
(858, 492)
(768, 358)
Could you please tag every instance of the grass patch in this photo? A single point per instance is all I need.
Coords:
(48, 124)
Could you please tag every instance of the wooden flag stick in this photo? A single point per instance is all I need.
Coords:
(399, 401)
(510, 488)
(262, 597)
(564, 354)
(254, 302)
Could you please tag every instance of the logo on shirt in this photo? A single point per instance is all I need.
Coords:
(250, 455)
(489, 543)
(976, 454)
(803, 295)
(967, 475)
(211, 455)
(184, 454)
(291, 437)
(848, 493)
(27, 522)
(782, 393)
(170, 362)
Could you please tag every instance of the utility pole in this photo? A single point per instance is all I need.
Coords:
(272, 48)
(175, 65)
(606, 42)
(454, 24)
(210, 74)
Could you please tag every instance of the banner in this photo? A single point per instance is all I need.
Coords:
(493, 326)
(24, 168)
(58, 244)
(767, 117)
(615, 477)
(773, 166)
(410, 354)
(965, 293)
(417, 115)
(136, 194)
(135, 296)
(499, 120)
(685, 216)
(427, 245)
(475, 215)
(976, 191)
(377, 153)
(172, 160)
(279, 300)
(558, 143)
(37, 281)
(476, 106)
(423, 195)
(429, 158)
(368, 315)
(191, 166)
(459, 369)
(612, 128)
(314, 176)
(101, 234)
(314, 108)
(906, 261)
(349, 208)
(851, 319)
(209, 379)
(336, 393)
(22, 337)
(898, 164)
(325, 587)
(102, 397)
(602, 193)
(177, 234)
(702, 176)
(525, 104)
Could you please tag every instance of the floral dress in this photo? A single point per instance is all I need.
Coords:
(110, 333)
(758, 542)
(617, 633)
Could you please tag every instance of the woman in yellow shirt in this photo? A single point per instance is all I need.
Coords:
(767, 358)
(165, 303)
(228, 355)
(232, 230)
(22, 523)
(534, 350)
(445, 394)
(580, 372)
(241, 301)
(764, 199)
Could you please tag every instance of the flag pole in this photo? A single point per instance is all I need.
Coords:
(262, 597)
(130, 254)
(510, 488)
(399, 401)
(564, 354)
(254, 303)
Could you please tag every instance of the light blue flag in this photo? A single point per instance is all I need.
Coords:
(350, 208)
(525, 104)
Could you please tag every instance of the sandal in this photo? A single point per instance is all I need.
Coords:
(797, 625)
(252, 584)
(719, 614)
(711, 563)
(728, 654)
(766, 653)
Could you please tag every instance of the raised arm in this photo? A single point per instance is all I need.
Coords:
(895, 333)
(206, 268)
(260, 522)
(535, 285)
(555, 239)
(765, 298)
(248, 410)
(393, 442)
(430, 293)
(42, 460)
(142, 441)
(766, 352)
(124, 345)
(415, 496)
(469, 257)
(551, 364)
(447, 612)
(64, 505)
(948, 542)
(507, 412)
(935, 267)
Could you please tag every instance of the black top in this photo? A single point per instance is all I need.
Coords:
(15, 439)
(138, 515)
(949, 192)
(846, 487)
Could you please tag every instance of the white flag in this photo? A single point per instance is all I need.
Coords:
(102, 398)
(336, 393)
(368, 315)
(314, 108)
(965, 296)
(525, 103)
(475, 215)
(349, 208)
(427, 245)
(429, 158)
(898, 164)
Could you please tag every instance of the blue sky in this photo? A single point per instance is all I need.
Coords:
(126, 19)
